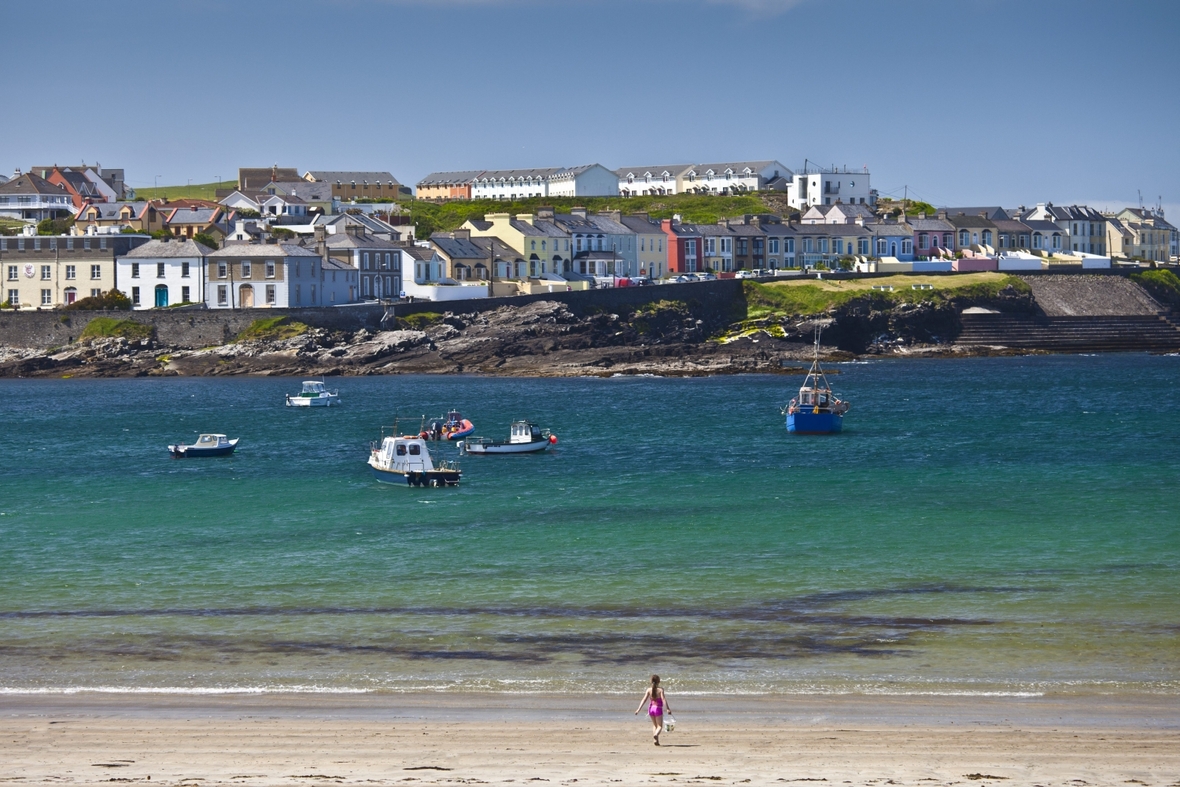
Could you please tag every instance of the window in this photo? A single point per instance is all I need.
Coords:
(14, 297)
(907, 246)
(774, 245)
(365, 260)
(823, 245)
(135, 270)
(963, 239)
(95, 271)
(367, 285)
(415, 449)
(743, 247)
(46, 297)
(12, 273)
(270, 294)
(159, 270)
(46, 272)
(134, 296)
(71, 272)
(184, 295)
(270, 269)
(388, 261)
(245, 269)
(838, 246)
(948, 240)
(313, 294)
(95, 293)
(401, 449)
(862, 246)
(184, 271)
(923, 240)
(882, 246)
(222, 270)
(222, 294)
(710, 245)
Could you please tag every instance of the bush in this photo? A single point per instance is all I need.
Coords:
(108, 327)
(419, 321)
(54, 226)
(206, 240)
(1163, 285)
(271, 329)
(112, 300)
(246, 213)
(282, 233)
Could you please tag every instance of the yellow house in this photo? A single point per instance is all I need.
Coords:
(544, 247)
(48, 272)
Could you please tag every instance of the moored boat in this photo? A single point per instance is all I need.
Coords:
(206, 445)
(524, 437)
(406, 459)
(453, 427)
(816, 410)
(314, 394)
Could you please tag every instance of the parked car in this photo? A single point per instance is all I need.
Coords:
(706, 276)
(684, 277)
(745, 274)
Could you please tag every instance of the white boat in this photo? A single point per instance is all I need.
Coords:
(206, 445)
(524, 437)
(406, 459)
(314, 394)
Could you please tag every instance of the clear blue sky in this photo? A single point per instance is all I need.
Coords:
(965, 101)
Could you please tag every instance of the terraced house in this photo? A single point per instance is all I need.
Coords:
(163, 273)
(48, 272)
(264, 276)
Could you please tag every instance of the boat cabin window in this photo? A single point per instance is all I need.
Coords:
(401, 449)
(415, 450)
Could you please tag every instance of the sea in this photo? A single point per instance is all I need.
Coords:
(992, 527)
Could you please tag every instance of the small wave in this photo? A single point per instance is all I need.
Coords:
(8, 690)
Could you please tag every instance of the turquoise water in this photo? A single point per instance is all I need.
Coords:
(982, 526)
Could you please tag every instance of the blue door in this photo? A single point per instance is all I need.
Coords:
(161, 295)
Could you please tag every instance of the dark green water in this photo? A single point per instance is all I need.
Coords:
(1001, 525)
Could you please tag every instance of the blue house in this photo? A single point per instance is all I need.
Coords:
(893, 239)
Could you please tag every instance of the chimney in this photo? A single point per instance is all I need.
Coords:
(547, 213)
(640, 216)
(860, 221)
(461, 234)
(581, 213)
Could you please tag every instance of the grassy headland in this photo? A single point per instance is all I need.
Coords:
(814, 296)
(271, 329)
(110, 327)
(193, 191)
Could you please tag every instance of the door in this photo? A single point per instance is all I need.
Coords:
(161, 295)
(246, 296)
(71, 295)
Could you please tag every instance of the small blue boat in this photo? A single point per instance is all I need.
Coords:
(816, 410)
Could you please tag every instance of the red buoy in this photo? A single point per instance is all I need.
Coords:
(553, 439)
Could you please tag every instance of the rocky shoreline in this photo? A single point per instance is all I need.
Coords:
(539, 339)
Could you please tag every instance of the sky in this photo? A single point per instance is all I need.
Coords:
(957, 102)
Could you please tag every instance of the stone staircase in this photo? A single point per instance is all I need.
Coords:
(1106, 333)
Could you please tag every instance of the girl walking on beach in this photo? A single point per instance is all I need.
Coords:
(657, 703)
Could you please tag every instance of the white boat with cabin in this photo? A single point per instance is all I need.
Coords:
(524, 437)
(314, 394)
(406, 460)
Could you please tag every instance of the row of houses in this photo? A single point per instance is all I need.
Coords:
(804, 188)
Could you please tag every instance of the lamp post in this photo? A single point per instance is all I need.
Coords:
(156, 184)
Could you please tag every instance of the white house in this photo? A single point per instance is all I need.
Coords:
(826, 186)
(735, 177)
(660, 180)
(590, 180)
(425, 277)
(163, 273)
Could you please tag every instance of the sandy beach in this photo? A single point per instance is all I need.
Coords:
(471, 739)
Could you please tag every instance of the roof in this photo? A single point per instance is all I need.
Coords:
(517, 174)
(304, 189)
(418, 253)
(263, 250)
(334, 176)
(163, 249)
(194, 215)
(993, 212)
(889, 229)
(931, 225)
(458, 248)
(1009, 225)
(737, 166)
(256, 177)
(671, 169)
(450, 178)
(346, 240)
(969, 220)
(640, 225)
(539, 229)
(833, 229)
(1041, 225)
(108, 211)
(28, 183)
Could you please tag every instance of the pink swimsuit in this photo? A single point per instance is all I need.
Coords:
(657, 707)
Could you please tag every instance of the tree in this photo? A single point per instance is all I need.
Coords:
(282, 233)
(246, 213)
(206, 240)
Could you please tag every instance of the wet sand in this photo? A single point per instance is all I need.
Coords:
(456, 739)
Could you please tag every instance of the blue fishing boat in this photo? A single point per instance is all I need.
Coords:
(816, 410)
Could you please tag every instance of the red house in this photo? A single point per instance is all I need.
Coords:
(686, 247)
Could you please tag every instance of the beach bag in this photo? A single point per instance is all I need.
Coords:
(669, 723)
